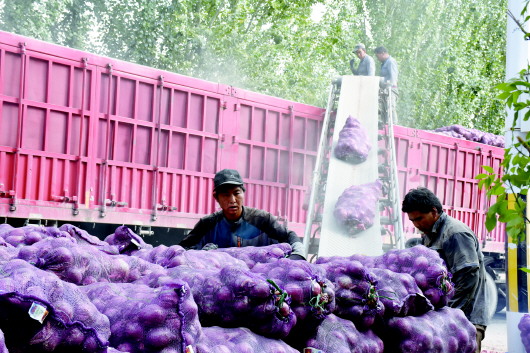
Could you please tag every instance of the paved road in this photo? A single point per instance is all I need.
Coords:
(496, 340)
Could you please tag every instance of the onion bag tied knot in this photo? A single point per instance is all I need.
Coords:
(312, 294)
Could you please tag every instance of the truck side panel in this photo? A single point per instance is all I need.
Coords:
(84, 138)
(447, 166)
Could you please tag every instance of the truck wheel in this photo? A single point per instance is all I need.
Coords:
(491, 295)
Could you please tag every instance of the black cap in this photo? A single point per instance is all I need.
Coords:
(227, 176)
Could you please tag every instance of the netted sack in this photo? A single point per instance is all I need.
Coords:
(399, 293)
(459, 131)
(176, 255)
(524, 327)
(84, 238)
(145, 319)
(356, 295)
(8, 252)
(3, 348)
(162, 255)
(353, 145)
(234, 296)
(127, 241)
(32, 234)
(239, 340)
(85, 264)
(4, 228)
(252, 255)
(41, 313)
(357, 206)
(365, 260)
(336, 335)
(446, 330)
(313, 295)
(426, 267)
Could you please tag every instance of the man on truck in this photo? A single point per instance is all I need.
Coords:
(366, 65)
(236, 225)
(459, 247)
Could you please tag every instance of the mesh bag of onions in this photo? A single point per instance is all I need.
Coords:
(427, 268)
(30, 234)
(252, 255)
(357, 206)
(84, 238)
(338, 335)
(423, 264)
(85, 264)
(239, 340)
(176, 255)
(356, 296)
(399, 293)
(353, 145)
(145, 319)
(41, 313)
(313, 295)
(233, 297)
(446, 330)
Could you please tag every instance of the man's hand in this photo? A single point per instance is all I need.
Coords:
(296, 257)
(210, 246)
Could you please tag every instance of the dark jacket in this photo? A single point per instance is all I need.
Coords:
(254, 228)
(458, 246)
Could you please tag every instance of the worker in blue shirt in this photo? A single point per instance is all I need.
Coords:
(389, 67)
(366, 65)
(236, 225)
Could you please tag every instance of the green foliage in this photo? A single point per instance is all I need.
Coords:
(516, 166)
(449, 52)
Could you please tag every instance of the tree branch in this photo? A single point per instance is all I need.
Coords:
(520, 25)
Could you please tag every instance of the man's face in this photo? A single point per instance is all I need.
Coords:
(231, 201)
(360, 53)
(423, 221)
(381, 56)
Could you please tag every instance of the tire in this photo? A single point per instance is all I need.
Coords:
(491, 295)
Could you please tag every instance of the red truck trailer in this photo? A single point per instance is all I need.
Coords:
(94, 141)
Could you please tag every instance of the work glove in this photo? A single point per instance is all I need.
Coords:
(210, 246)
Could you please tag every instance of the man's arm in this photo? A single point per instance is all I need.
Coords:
(196, 234)
(462, 261)
(466, 281)
(275, 230)
(393, 72)
(352, 67)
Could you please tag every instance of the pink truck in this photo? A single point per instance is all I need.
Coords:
(94, 141)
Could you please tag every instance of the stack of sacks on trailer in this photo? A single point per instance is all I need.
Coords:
(465, 133)
(92, 296)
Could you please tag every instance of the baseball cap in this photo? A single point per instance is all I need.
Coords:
(359, 46)
(227, 176)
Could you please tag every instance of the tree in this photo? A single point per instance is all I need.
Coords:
(516, 164)
(449, 52)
